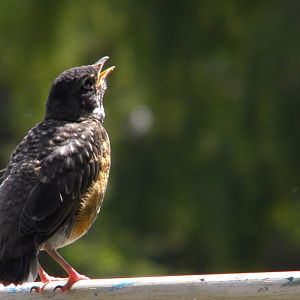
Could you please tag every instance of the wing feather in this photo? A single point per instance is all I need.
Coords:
(64, 177)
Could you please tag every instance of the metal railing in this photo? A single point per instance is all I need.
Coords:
(273, 285)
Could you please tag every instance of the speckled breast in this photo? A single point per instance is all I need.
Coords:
(90, 202)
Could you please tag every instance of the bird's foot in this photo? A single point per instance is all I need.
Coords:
(38, 289)
(47, 278)
(63, 288)
(73, 278)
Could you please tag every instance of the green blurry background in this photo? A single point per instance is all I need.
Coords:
(203, 113)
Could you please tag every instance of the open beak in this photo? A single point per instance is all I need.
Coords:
(102, 74)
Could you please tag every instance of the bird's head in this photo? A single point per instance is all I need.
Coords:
(77, 93)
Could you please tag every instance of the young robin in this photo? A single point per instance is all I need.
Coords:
(55, 181)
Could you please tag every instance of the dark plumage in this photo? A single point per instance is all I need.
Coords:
(56, 178)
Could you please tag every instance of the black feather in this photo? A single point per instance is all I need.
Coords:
(2, 174)
(85, 178)
(97, 169)
(43, 201)
(77, 185)
(93, 170)
(18, 270)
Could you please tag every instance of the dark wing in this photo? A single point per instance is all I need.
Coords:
(64, 176)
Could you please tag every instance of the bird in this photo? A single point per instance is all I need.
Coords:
(56, 178)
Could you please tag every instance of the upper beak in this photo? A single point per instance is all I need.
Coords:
(104, 74)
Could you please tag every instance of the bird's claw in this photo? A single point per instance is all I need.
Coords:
(61, 287)
(37, 289)
(71, 281)
(40, 289)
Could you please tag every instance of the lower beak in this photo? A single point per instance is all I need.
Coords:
(104, 74)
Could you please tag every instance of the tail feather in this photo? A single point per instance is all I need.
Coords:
(18, 270)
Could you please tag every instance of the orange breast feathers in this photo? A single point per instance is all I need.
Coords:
(93, 198)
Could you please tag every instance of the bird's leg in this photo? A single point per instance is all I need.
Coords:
(45, 277)
(73, 275)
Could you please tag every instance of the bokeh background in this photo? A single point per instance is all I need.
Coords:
(203, 113)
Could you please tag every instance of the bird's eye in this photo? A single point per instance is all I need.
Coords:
(88, 83)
